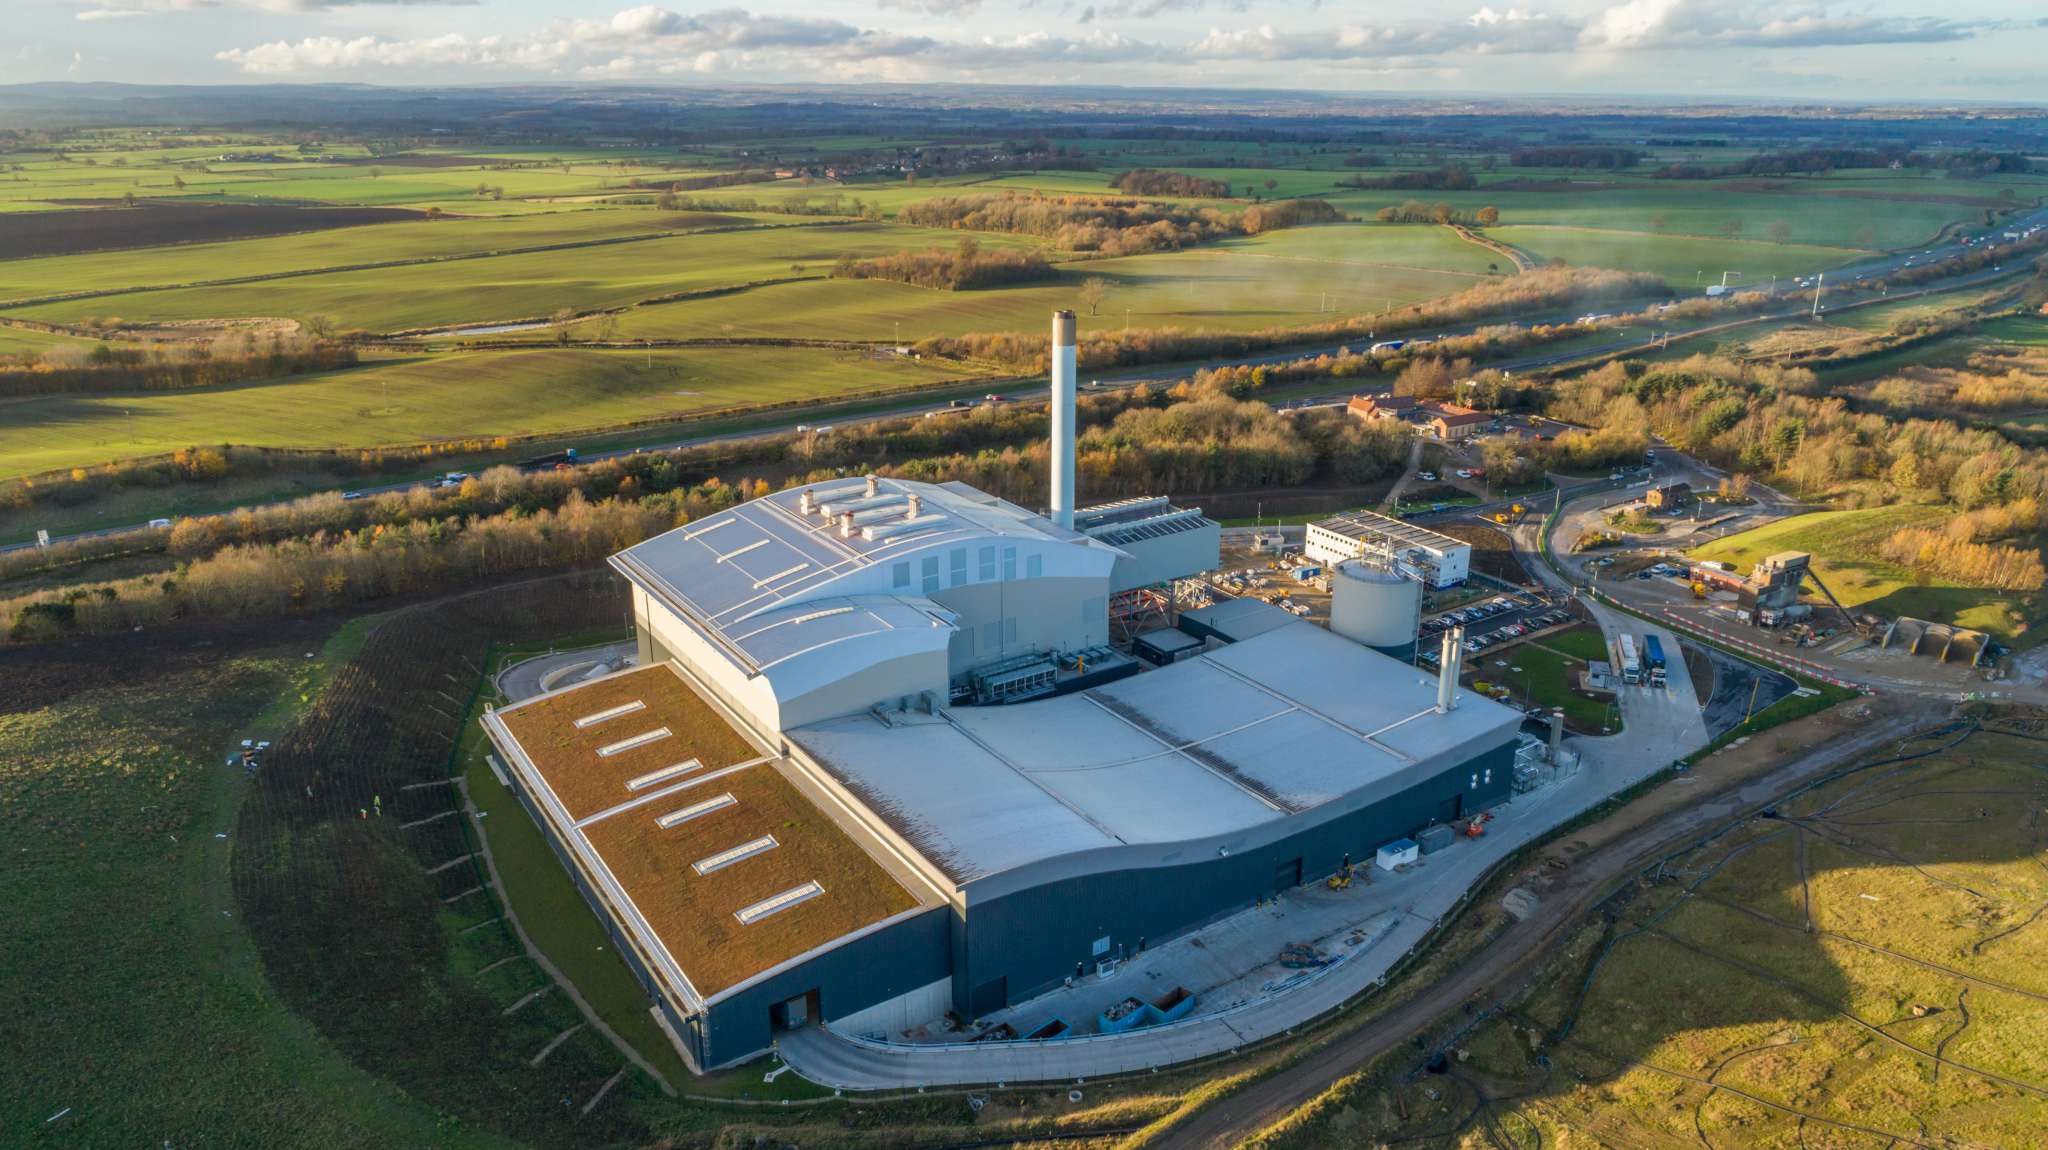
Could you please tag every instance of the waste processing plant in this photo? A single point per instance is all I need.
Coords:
(880, 761)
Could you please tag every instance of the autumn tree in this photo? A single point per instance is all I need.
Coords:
(1094, 290)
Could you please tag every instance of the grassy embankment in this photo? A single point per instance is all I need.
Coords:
(1844, 549)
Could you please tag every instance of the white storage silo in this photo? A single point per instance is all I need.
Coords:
(1376, 606)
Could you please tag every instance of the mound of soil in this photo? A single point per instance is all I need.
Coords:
(152, 224)
(1492, 554)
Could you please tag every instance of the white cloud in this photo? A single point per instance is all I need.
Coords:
(118, 9)
(1662, 24)
(653, 41)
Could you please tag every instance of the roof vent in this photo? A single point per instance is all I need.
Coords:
(846, 526)
(916, 507)
(808, 501)
(874, 486)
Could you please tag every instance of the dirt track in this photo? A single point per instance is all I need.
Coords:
(1611, 849)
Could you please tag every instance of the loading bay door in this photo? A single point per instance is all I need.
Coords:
(1287, 875)
(792, 1013)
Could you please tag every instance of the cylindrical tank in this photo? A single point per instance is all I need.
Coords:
(1376, 606)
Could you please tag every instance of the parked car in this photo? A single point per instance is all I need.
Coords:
(1426, 476)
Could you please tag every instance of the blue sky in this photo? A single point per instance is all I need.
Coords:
(1874, 50)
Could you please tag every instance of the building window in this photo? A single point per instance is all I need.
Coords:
(899, 575)
(1034, 566)
(1474, 785)
(957, 562)
(931, 574)
(987, 563)
(1009, 562)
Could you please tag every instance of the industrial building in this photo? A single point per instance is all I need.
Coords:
(880, 761)
(1431, 556)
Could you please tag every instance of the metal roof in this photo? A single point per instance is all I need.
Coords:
(730, 569)
(1265, 729)
(1237, 619)
(1371, 524)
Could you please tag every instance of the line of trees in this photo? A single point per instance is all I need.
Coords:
(1589, 156)
(1449, 178)
(1417, 212)
(1152, 182)
(965, 268)
(1810, 161)
(1190, 440)
(170, 366)
(1110, 226)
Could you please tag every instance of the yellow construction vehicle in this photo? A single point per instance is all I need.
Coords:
(1699, 589)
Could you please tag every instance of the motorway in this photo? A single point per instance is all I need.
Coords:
(1132, 377)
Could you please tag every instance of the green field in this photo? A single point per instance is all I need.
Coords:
(1859, 971)
(1684, 262)
(419, 239)
(521, 286)
(141, 1008)
(1228, 288)
(26, 341)
(451, 396)
(1844, 549)
(1540, 675)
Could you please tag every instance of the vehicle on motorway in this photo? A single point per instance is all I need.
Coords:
(351, 495)
(159, 523)
(1426, 476)
(550, 461)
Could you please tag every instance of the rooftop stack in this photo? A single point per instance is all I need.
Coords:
(1063, 352)
(1450, 663)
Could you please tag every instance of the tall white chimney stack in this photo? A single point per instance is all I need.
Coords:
(1449, 664)
(1063, 349)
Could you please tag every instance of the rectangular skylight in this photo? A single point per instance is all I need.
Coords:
(695, 810)
(740, 853)
(739, 551)
(610, 713)
(667, 772)
(749, 915)
(639, 740)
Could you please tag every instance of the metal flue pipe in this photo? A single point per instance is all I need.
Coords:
(1064, 329)
(1449, 663)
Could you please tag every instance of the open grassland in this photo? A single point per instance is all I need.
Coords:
(522, 286)
(1683, 261)
(452, 396)
(140, 1011)
(1810, 213)
(26, 341)
(1858, 973)
(416, 239)
(1844, 549)
(1228, 287)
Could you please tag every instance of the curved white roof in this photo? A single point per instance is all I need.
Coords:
(726, 572)
(1266, 729)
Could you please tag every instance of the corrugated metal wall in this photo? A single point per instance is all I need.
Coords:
(1030, 940)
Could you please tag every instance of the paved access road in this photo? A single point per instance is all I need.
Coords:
(1241, 1115)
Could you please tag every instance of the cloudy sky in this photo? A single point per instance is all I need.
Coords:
(1863, 50)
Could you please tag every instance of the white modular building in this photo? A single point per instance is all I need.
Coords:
(1431, 556)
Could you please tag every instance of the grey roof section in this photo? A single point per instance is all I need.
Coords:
(726, 568)
(813, 642)
(1262, 730)
(1237, 619)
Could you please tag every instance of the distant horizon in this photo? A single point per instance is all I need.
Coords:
(1648, 102)
(1860, 52)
